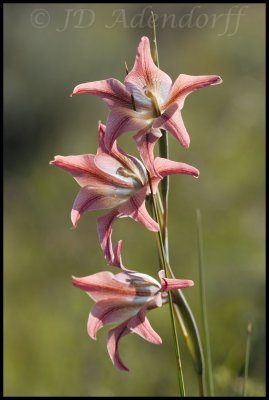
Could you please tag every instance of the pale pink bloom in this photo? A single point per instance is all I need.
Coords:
(158, 102)
(124, 299)
(116, 181)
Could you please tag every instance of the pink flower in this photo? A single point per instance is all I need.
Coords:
(124, 299)
(116, 181)
(158, 102)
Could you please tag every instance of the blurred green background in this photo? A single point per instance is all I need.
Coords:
(46, 348)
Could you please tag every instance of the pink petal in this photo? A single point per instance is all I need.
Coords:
(101, 138)
(84, 170)
(112, 91)
(140, 325)
(145, 141)
(130, 162)
(146, 76)
(171, 284)
(146, 284)
(107, 163)
(171, 120)
(114, 337)
(105, 286)
(136, 209)
(166, 167)
(104, 228)
(122, 120)
(185, 84)
(117, 158)
(110, 311)
(117, 261)
(90, 198)
(80, 167)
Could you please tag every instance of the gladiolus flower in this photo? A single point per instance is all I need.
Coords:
(147, 99)
(116, 181)
(125, 299)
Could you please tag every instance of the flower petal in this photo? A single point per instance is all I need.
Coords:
(145, 141)
(171, 284)
(185, 84)
(135, 208)
(80, 167)
(171, 120)
(104, 228)
(166, 167)
(140, 325)
(110, 311)
(113, 339)
(112, 91)
(86, 173)
(146, 76)
(146, 283)
(117, 158)
(105, 286)
(97, 285)
(122, 120)
(90, 198)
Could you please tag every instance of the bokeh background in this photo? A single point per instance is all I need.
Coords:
(46, 348)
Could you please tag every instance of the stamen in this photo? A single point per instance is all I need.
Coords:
(154, 102)
(129, 174)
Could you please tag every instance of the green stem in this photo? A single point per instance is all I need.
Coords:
(164, 153)
(167, 274)
(181, 308)
(190, 334)
(155, 54)
(208, 362)
(249, 333)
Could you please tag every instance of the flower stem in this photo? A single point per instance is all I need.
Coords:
(167, 274)
(164, 153)
(182, 310)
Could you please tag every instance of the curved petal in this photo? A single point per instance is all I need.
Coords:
(130, 162)
(80, 166)
(107, 163)
(121, 120)
(117, 159)
(145, 141)
(104, 228)
(172, 121)
(171, 284)
(113, 339)
(101, 138)
(90, 198)
(146, 284)
(112, 91)
(104, 286)
(185, 84)
(135, 208)
(117, 261)
(110, 311)
(85, 171)
(140, 325)
(166, 167)
(146, 76)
